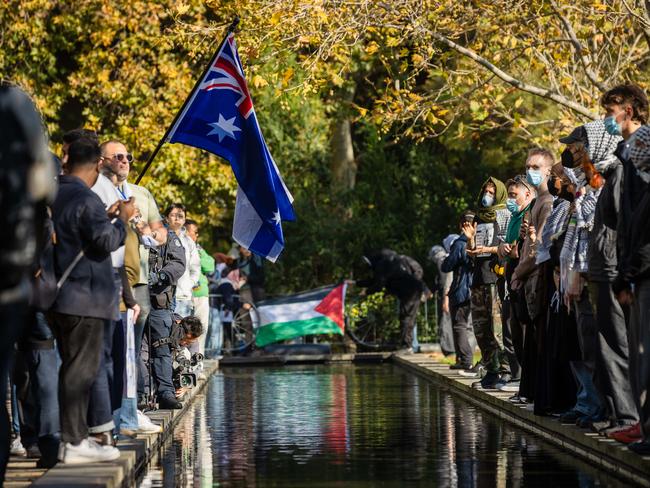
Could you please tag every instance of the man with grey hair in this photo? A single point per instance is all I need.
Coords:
(525, 276)
(117, 160)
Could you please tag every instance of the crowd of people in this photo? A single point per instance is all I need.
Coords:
(549, 275)
(550, 271)
(99, 290)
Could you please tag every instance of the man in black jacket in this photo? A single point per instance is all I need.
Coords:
(611, 372)
(400, 276)
(85, 235)
(635, 274)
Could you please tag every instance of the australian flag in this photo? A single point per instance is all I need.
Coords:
(219, 117)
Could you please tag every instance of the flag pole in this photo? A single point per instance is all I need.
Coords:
(231, 28)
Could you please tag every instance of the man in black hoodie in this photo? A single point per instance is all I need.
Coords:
(400, 276)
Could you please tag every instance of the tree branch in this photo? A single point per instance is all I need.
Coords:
(535, 90)
(585, 59)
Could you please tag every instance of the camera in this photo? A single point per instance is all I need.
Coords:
(185, 367)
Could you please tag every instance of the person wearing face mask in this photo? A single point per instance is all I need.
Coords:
(556, 334)
(605, 345)
(520, 197)
(632, 288)
(489, 231)
(626, 109)
(525, 276)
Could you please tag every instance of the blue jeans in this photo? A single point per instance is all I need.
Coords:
(415, 344)
(589, 401)
(214, 339)
(126, 415)
(15, 415)
(40, 407)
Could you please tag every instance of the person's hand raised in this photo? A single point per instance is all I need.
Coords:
(127, 209)
(469, 229)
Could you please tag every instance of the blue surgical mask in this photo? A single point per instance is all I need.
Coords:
(487, 200)
(511, 205)
(612, 127)
(534, 177)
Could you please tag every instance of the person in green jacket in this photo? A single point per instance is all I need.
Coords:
(200, 293)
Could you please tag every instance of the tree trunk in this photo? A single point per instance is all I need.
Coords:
(343, 165)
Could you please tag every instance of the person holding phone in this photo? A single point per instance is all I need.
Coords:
(485, 234)
(525, 276)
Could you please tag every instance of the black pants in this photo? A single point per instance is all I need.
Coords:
(80, 341)
(408, 312)
(160, 323)
(508, 340)
(460, 323)
(100, 407)
(612, 373)
(12, 318)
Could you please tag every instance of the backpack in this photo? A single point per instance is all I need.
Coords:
(45, 286)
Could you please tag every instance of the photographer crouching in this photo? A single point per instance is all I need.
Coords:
(185, 365)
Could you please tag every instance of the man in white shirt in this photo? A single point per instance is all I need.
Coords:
(118, 161)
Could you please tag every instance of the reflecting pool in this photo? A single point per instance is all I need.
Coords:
(353, 426)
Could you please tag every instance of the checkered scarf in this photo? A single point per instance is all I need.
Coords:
(640, 152)
(601, 145)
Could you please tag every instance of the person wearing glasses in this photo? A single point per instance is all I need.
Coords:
(117, 160)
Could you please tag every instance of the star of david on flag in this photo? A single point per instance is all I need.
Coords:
(219, 117)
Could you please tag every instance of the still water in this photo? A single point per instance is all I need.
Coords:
(352, 426)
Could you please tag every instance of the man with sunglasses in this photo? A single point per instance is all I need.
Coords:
(118, 160)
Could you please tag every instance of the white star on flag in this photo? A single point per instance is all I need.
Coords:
(224, 127)
(277, 220)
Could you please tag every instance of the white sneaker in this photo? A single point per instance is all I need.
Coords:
(88, 451)
(510, 386)
(16, 448)
(146, 426)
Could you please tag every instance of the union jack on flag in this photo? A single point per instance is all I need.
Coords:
(220, 118)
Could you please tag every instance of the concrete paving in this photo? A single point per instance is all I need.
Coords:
(607, 454)
(135, 454)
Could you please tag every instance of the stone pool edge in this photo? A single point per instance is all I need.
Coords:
(135, 454)
(607, 454)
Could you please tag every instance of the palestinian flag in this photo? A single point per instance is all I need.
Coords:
(311, 312)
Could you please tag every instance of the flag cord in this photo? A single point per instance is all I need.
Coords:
(231, 28)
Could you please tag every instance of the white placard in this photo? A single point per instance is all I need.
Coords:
(484, 237)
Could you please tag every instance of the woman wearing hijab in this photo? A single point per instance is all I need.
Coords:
(489, 230)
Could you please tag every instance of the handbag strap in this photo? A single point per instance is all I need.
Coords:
(68, 270)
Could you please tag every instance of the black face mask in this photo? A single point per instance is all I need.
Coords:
(552, 189)
(567, 159)
(563, 193)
